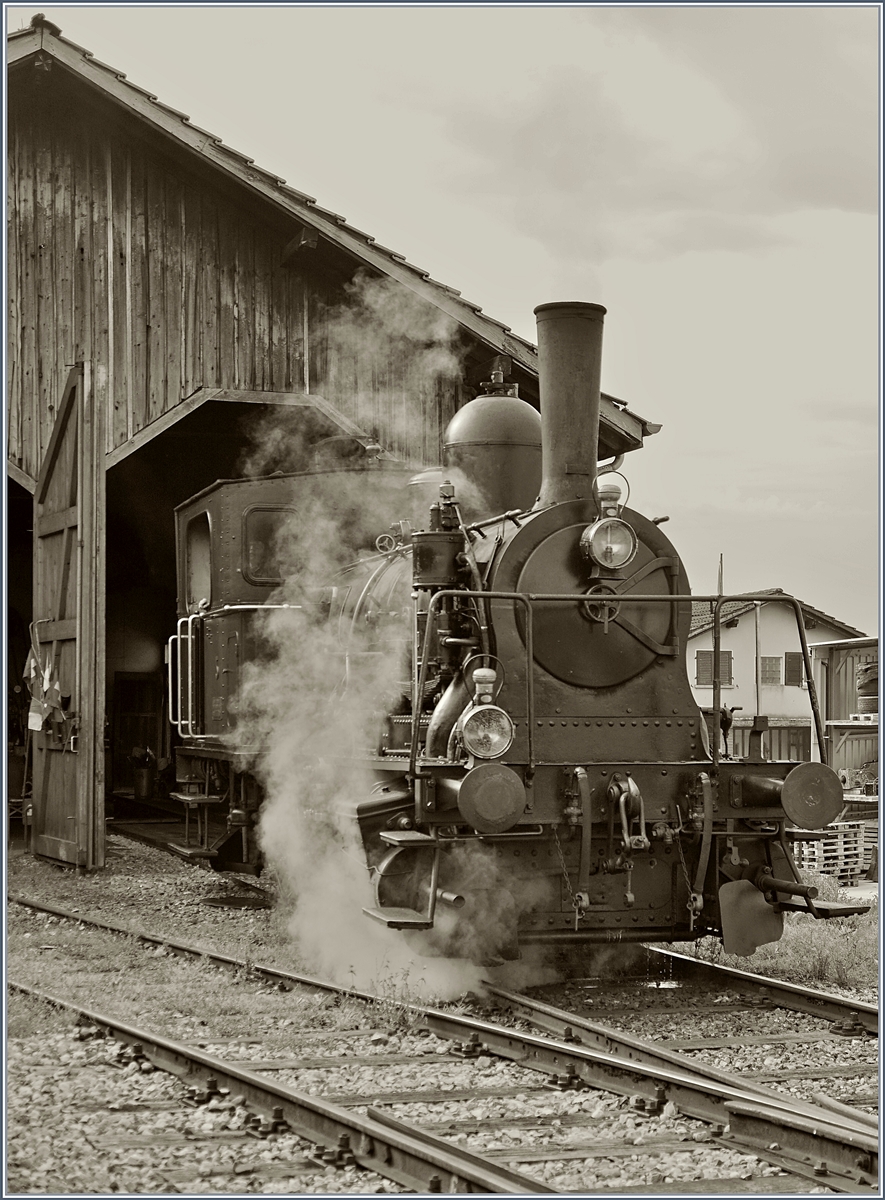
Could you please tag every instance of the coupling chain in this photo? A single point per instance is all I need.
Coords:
(573, 899)
(695, 902)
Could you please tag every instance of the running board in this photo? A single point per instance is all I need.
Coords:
(407, 837)
(825, 908)
(400, 918)
(190, 852)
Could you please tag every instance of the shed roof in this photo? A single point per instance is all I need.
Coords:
(732, 610)
(43, 41)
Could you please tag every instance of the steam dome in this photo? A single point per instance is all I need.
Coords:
(495, 441)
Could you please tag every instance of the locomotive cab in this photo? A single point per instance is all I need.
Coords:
(237, 550)
(230, 548)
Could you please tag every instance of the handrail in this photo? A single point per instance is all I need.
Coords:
(766, 597)
(191, 672)
(530, 598)
(182, 721)
(173, 719)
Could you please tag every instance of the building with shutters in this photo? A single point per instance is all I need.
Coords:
(762, 669)
(167, 298)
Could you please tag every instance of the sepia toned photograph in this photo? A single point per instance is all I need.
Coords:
(442, 639)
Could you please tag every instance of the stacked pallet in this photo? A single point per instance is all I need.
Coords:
(837, 851)
(859, 806)
(870, 842)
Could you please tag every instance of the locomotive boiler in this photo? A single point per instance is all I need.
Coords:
(546, 775)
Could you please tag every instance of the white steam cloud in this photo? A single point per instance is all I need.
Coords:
(314, 703)
(315, 699)
(388, 359)
(332, 667)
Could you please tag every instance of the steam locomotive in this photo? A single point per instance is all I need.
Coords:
(545, 769)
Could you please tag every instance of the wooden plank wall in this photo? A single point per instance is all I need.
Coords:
(120, 257)
(842, 664)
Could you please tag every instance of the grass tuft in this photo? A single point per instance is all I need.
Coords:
(839, 950)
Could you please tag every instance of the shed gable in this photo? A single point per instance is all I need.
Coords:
(177, 266)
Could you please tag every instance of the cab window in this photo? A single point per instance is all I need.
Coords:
(199, 562)
(263, 541)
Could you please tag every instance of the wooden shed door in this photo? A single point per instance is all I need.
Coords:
(68, 633)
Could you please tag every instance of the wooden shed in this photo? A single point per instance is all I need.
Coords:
(167, 298)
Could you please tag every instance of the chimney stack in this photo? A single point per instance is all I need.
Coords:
(570, 360)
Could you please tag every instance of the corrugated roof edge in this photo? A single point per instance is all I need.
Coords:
(49, 32)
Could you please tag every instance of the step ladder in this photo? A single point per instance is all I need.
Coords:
(201, 803)
(409, 918)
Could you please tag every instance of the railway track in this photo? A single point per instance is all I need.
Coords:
(733, 1017)
(573, 1110)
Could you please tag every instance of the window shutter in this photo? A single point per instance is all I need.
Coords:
(794, 668)
(704, 668)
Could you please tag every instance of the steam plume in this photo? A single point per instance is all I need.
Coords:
(313, 702)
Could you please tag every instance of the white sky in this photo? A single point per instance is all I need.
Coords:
(710, 174)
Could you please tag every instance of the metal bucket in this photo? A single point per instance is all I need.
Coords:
(144, 782)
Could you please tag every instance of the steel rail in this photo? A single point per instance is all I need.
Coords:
(815, 1144)
(414, 1159)
(787, 995)
(574, 1066)
(603, 1037)
(798, 1142)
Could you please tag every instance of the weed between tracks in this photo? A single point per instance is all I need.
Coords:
(181, 998)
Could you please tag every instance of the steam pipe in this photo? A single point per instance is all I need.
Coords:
(570, 362)
(454, 700)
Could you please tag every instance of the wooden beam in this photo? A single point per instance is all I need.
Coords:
(149, 432)
(21, 46)
(56, 631)
(302, 399)
(66, 408)
(20, 477)
(57, 521)
(231, 395)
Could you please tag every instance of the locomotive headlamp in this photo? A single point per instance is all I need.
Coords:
(487, 732)
(609, 542)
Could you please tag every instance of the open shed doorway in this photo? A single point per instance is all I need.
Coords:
(20, 607)
(220, 439)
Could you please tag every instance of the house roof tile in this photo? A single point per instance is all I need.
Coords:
(702, 614)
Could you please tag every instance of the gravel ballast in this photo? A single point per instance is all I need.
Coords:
(88, 1101)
